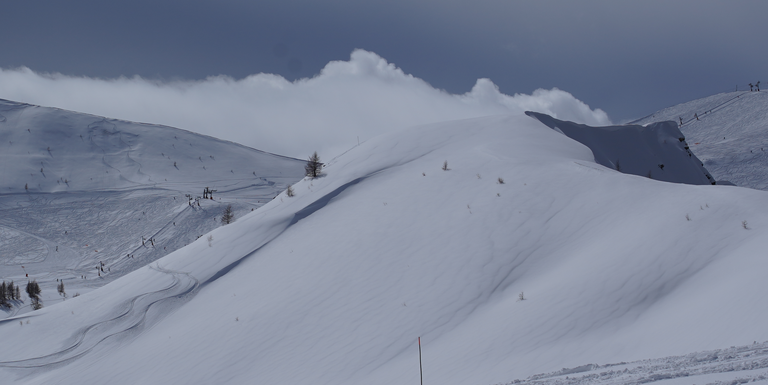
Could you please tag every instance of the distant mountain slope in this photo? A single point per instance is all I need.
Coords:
(730, 135)
(52, 150)
(522, 256)
(78, 190)
(658, 151)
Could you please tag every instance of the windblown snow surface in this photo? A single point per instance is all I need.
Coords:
(727, 132)
(78, 190)
(566, 264)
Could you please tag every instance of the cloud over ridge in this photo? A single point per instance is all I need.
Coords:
(362, 97)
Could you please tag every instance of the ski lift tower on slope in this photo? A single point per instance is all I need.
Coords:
(208, 193)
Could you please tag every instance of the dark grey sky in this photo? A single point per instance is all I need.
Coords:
(627, 58)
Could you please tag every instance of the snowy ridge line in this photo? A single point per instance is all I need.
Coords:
(693, 118)
(308, 210)
(700, 364)
(131, 318)
(279, 224)
(21, 106)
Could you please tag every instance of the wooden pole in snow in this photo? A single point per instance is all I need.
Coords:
(421, 372)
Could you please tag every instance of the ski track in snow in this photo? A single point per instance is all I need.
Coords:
(98, 185)
(131, 317)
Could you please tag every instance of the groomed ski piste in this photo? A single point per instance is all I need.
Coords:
(521, 257)
(727, 131)
(86, 199)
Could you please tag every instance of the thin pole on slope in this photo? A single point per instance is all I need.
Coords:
(421, 372)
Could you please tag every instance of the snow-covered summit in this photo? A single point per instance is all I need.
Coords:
(520, 256)
(727, 132)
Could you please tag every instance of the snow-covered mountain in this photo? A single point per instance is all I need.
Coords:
(521, 256)
(78, 190)
(727, 132)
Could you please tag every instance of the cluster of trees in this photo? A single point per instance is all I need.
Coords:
(33, 290)
(8, 292)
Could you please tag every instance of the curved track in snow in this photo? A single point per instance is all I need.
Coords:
(131, 317)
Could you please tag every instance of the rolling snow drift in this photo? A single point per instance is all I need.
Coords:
(498, 241)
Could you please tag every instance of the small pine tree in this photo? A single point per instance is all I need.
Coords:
(313, 167)
(18, 293)
(289, 191)
(11, 294)
(228, 216)
(3, 295)
(445, 166)
(60, 288)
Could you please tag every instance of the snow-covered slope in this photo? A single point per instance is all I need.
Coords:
(77, 190)
(53, 150)
(658, 151)
(334, 285)
(730, 366)
(727, 132)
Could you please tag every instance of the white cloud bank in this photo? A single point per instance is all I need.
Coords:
(362, 97)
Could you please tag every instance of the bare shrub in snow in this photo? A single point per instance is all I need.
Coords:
(744, 225)
(501, 180)
(228, 216)
(445, 166)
